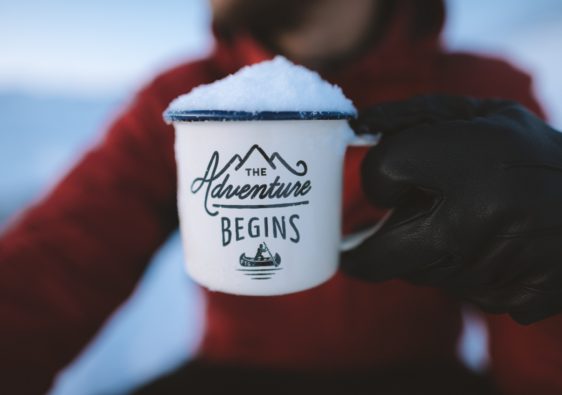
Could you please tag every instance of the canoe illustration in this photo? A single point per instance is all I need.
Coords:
(263, 257)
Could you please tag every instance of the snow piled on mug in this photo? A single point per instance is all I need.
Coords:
(274, 85)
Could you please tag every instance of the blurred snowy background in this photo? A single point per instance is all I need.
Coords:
(67, 67)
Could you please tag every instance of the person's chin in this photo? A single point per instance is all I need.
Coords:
(261, 16)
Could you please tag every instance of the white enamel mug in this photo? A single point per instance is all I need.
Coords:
(259, 198)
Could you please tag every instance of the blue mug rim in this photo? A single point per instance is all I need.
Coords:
(226, 115)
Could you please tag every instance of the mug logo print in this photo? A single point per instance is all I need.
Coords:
(223, 191)
(263, 265)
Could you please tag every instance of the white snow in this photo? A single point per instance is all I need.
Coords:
(274, 85)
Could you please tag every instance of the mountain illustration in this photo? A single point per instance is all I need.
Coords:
(299, 169)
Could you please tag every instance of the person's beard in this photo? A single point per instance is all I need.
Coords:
(262, 18)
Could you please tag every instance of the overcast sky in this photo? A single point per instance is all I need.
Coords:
(95, 47)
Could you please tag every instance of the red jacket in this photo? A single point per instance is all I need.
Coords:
(70, 260)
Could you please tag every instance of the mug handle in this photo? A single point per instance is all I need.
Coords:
(354, 239)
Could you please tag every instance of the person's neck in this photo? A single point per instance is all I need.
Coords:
(331, 32)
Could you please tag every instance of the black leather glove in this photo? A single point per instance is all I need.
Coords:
(476, 189)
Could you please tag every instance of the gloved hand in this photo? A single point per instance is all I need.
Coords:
(476, 192)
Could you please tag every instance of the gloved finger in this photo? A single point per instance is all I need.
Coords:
(391, 176)
(393, 116)
(542, 309)
(502, 113)
(441, 273)
(524, 304)
(494, 301)
(404, 244)
(540, 303)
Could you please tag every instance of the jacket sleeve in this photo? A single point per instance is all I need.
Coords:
(70, 260)
(526, 359)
